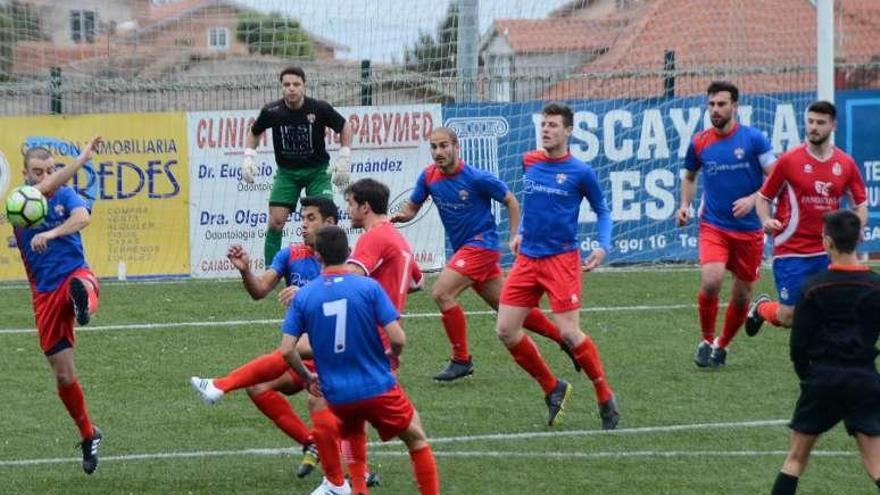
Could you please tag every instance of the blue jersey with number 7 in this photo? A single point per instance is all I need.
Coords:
(343, 313)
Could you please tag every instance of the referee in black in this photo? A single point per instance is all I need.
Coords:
(833, 347)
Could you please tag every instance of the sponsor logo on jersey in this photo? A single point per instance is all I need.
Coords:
(823, 188)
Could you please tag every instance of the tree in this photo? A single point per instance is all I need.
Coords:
(273, 34)
(18, 22)
(436, 57)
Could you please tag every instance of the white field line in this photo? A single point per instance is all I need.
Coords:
(492, 453)
(228, 323)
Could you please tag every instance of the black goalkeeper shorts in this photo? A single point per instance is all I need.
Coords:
(835, 393)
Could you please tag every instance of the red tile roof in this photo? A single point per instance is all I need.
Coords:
(744, 40)
(556, 35)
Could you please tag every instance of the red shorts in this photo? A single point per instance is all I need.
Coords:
(478, 264)
(53, 311)
(741, 252)
(390, 413)
(558, 275)
(297, 380)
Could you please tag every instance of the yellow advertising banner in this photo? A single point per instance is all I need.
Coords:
(139, 180)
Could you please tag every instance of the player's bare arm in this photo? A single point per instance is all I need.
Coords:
(688, 189)
(862, 213)
(396, 337)
(60, 177)
(406, 213)
(79, 219)
(743, 206)
(257, 286)
(514, 215)
(770, 225)
(288, 350)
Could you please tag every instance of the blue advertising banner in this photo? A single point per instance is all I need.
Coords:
(637, 148)
(858, 132)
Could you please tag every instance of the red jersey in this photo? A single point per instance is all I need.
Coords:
(807, 188)
(387, 257)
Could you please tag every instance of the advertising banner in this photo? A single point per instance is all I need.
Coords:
(137, 182)
(390, 144)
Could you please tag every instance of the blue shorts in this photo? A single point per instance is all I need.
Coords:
(790, 274)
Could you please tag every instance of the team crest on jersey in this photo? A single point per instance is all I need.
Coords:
(836, 169)
(560, 178)
(808, 169)
(460, 263)
(463, 195)
(783, 294)
(311, 118)
(740, 153)
(59, 210)
(823, 188)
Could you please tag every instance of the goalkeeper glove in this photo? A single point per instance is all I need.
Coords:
(341, 175)
(248, 167)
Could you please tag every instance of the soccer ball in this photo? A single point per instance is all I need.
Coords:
(26, 207)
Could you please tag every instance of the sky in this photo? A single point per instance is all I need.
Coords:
(379, 29)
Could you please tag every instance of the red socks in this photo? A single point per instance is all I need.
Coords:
(75, 402)
(527, 356)
(587, 356)
(768, 311)
(455, 324)
(355, 453)
(537, 322)
(276, 407)
(733, 320)
(262, 369)
(326, 435)
(425, 470)
(707, 307)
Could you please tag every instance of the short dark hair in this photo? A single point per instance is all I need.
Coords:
(823, 107)
(560, 109)
(326, 207)
(293, 70)
(331, 243)
(372, 192)
(718, 86)
(36, 153)
(844, 228)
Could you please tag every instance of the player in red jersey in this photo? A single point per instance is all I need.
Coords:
(734, 159)
(63, 286)
(548, 260)
(808, 181)
(463, 196)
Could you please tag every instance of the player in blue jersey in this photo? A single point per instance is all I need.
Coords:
(342, 313)
(734, 159)
(463, 195)
(267, 377)
(63, 286)
(548, 260)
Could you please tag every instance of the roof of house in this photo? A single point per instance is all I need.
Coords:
(555, 35)
(749, 40)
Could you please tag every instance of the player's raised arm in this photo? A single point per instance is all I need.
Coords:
(258, 286)
(60, 177)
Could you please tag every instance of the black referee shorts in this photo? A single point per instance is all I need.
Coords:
(834, 393)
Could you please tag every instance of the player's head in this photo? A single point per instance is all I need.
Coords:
(444, 148)
(293, 85)
(38, 164)
(331, 244)
(557, 123)
(841, 231)
(821, 122)
(364, 198)
(317, 211)
(723, 102)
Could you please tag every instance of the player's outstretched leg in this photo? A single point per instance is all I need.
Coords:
(754, 320)
(206, 389)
